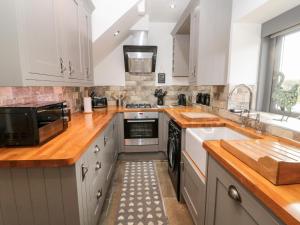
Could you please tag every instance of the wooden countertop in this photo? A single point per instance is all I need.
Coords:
(283, 201)
(67, 148)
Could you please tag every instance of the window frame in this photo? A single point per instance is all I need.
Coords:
(277, 49)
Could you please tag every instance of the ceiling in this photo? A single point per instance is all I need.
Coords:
(269, 10)
(160, 11)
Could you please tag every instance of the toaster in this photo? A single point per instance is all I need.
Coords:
(99, 102)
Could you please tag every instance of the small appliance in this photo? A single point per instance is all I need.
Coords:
(182, 99)
(99, 102)
(31, 124)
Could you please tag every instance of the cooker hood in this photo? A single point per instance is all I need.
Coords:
(139, 57)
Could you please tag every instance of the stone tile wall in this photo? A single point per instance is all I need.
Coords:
(15, 95)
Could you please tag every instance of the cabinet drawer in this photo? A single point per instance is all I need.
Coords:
(97, 199)
(193, 189)
(228, 202)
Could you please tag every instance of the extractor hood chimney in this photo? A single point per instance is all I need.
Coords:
(139, 57)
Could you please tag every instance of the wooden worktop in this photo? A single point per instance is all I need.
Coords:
(283, 201)
(67, 148)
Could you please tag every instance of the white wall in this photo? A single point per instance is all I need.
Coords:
(244, 53)
(107, 12)
(110, 71)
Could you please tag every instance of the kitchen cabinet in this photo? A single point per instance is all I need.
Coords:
(42, 40)
(193, 189)
(69, 195)
(46, 43)
(194, 45)
(71, 38)
(228, 202)
(210, 42)
(181, 49)
(86, 44)
(163, 132)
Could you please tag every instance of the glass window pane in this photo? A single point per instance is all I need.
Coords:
(290, 63)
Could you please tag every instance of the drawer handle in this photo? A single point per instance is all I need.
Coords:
(234, 194)
(105, 140)
(84, 171)
(98, 165)
(99, 194)
(97, 149)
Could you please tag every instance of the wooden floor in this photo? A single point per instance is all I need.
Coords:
(177, 213)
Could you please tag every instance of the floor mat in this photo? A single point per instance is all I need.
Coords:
(140, 202)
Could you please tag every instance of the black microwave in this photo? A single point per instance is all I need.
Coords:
(31, 124)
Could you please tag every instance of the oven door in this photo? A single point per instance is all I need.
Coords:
(141, 131)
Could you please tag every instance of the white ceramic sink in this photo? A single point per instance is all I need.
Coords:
(196, 136)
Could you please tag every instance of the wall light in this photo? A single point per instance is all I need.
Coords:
(117, 33)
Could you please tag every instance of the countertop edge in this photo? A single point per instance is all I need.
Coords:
(283, 214)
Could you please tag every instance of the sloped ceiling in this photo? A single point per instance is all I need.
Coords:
(260, 11)
(104, 44)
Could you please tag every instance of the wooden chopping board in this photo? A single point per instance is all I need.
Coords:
(199, 116)
(277, 162)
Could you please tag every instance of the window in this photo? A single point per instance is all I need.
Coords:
(287, 62)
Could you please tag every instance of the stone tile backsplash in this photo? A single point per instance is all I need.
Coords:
(20, 95)
(140, 93)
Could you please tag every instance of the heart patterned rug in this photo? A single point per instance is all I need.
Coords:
(141, 202)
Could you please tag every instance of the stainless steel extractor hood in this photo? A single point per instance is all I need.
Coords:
(139, 57)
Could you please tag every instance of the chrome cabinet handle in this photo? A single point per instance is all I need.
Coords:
(98, 166)
(234, 194)
(105, 140)
(62, 67)
(71, 71)
(99, 194)
(87, 72)
(84, 171)
(97, 149)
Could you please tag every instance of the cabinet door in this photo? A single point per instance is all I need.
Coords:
(70, 14)
(85, 44)
(193, 190)
(194, 45)
(214, 41)
(83, 176)
(222, 209)
(181, 49)
(42, 39)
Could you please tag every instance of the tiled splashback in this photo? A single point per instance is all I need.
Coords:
(139, 93)
(15, 95)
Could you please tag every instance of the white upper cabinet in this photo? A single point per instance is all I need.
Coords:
(42, 40)
(194, 45)
(71, 38)
(50, 42)
(86, 44)
(210, 41)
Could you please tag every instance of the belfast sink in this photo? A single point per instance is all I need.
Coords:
(196, 136)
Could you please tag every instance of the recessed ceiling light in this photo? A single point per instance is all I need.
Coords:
(172, 4)
(117, 33)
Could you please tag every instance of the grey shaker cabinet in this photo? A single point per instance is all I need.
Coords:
(181, 48)
(163, 132)
(46, 43)
(209, 42)
(228, 202)
(193, 189)
(70, 195)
